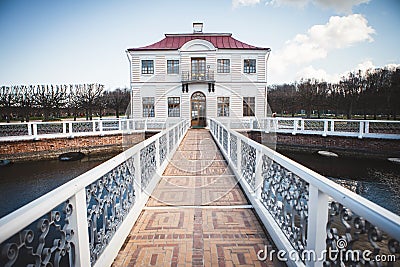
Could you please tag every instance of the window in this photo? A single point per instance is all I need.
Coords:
(223, 65)
(174, 107)
(148, 106)
(223, 106)
(147, 66)
(249, 105)
(249, 66)
(172, 66)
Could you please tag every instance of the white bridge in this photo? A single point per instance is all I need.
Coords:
(86, 221)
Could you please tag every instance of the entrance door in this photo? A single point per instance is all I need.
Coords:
(198, 109)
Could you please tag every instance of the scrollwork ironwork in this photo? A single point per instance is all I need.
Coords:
(147, 163)
(45, 242)
(233, 148)
(109, 200)
(163, 147)
(248, 161)
(285, 195)
(352, 235)
(225, 140)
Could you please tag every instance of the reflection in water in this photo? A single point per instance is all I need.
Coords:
(22, 182)
(376, 180)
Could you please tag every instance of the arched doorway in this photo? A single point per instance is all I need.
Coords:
(198, 109)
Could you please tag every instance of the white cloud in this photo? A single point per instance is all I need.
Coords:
(237, 3)
(338, 33)
(319, 74)
(342, 6)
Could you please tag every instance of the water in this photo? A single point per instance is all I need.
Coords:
(22, 182)
(376, 180)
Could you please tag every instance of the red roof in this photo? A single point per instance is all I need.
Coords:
(176, 41)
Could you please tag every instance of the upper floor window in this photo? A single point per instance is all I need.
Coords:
(148, 106)
(223, 65)
(249, 66)
(174, 106)
(249, 105)
(147, 66)
(172, 66)
(223, 106)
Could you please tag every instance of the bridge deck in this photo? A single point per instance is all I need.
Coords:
(197, 215)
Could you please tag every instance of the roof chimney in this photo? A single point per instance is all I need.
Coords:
(197, 27)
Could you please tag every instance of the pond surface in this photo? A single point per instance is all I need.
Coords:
(22, 182)
(376, 180)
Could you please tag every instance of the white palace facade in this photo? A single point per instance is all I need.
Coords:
(198, 76)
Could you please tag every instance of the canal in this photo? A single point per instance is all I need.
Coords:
(376, 180)
(22, 182)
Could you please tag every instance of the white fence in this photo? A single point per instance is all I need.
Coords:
(70, 129)
(324, 127)
(85, 221)
(305, 213)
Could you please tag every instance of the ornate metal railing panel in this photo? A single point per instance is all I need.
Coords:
(108, 200)
(148, 164)
(49, 128)
(14, 129)
(285, 196)
(163, 148)
(352, 235)
(305, 213)
(85, 221)
(225, 140)
(84, 126)
(48, 241)
(233, 148)
(248, 168)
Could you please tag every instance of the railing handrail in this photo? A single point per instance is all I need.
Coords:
(22, 217)
(320, 191)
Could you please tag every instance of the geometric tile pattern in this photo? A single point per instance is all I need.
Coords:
(164, 235)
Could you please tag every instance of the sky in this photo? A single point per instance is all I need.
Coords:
(84, 41)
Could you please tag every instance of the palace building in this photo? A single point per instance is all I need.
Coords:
(198, 76)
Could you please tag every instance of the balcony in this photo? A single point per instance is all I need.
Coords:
(198, 77)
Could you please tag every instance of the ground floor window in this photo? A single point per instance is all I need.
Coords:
(222, 106)
(148, 106)
(249, 106)
(174, 106)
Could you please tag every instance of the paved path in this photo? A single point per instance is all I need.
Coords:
(197, 215)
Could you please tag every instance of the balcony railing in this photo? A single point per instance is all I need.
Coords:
(204, 76)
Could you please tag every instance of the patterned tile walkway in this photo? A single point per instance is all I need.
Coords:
(197, 215)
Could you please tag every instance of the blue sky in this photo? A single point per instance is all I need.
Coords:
(57, 42)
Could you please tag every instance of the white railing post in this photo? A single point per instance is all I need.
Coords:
(325, 132)
(70, 130)
(119, 124)
(318, 207)
(100, 127)
(138, 175)
(258, 175)
(78, 221)
(366, 123)
(35, 134)
(29, 125)
(94, 126)
(268, 125)
(361, 130)
(64, 126)
(295, 122)
(332, 129)
(302, 124)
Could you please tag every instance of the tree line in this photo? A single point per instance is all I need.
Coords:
(22, 102)
(371, 94)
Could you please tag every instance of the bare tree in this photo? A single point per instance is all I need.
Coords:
(89, 95)
(118, 100)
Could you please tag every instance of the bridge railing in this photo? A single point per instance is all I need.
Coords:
(332, 127)
(306, 214)
(69, 129)
(85, 221)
